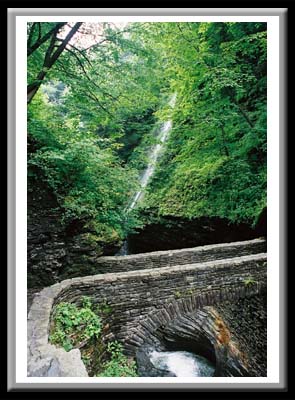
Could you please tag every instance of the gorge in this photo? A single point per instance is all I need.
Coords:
(147, 199)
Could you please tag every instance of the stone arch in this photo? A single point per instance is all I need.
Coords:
(193, 324)
(145, 326)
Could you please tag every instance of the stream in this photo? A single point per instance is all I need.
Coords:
(182, 363)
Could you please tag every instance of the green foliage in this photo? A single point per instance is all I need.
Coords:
(72, 326)
(91, 126)
(105, 309)
(119, 365)
(86, 176)
(249, 281)
(215, 159)
(93, 110)
(80, 327)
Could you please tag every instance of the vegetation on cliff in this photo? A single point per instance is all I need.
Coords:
(95, 96)
(75, 327)
(215, 160)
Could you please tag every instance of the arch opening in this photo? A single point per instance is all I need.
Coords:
(180, 349)
(199, 345)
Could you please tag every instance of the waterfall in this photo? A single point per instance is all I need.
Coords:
(148, 172)
(153, 156)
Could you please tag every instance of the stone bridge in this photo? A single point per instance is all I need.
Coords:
(210, 300)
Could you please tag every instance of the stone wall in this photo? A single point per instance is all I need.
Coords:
(141, 302)
(166, 258)
(45, 238)
(56, 252)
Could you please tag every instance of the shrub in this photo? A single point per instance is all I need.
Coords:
(73, 326)
(119, 365)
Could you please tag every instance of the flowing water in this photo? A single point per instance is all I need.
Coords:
(182, 363)
(148, 172)
(153, 156)
(124, 249)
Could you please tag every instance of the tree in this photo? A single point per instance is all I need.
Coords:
(52, 53)
(35, 40)
(81, 121)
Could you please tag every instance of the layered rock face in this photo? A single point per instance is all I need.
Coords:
(56, 251)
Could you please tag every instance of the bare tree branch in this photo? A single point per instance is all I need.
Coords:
(250, 123)
(66, 40)
(93, 97)
(79, 61)
(106, 39)
(82, 54)
(92, 82)
(78, 50)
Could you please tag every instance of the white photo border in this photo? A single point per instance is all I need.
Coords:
(17, 369)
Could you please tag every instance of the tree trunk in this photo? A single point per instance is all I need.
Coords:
(33, 87)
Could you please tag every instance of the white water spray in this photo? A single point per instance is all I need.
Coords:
(182, 363)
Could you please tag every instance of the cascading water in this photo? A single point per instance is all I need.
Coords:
(152, 163)
(148, 172)
(182, 363)
(153, 156)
